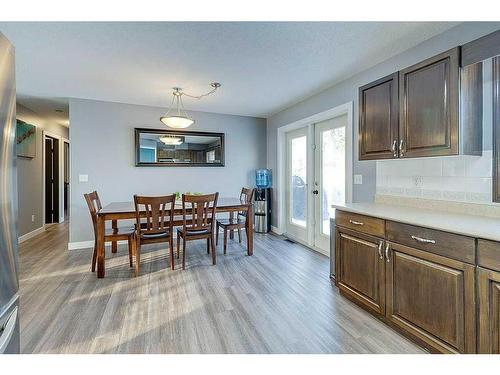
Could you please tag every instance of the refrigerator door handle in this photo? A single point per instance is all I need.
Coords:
(7, 331)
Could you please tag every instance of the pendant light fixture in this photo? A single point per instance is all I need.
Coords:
(176, 116)
(171, 140)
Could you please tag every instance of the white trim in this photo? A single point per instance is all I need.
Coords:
(90, 244)
(31, 234)
(276, 230)
(340, 110)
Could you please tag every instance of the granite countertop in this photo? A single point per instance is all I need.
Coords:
(469, 225)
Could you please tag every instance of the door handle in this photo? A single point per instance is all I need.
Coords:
(401, 147)
(380, 249)
(315, 192)
(7, 331)
(394, 148)
(387, 253)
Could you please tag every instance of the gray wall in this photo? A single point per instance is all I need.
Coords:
(29, 173)
(347, 91)
(102, 146)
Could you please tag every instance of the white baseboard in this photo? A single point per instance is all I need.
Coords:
(276, 230)
(31, 234)
(89, 244)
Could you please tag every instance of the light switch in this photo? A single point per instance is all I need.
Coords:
(83, 177)
(358, 179)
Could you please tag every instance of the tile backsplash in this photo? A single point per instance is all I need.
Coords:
(452, 178)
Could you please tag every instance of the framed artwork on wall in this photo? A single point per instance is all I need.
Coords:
(25, 139)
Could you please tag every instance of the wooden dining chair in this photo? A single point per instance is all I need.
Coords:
(198, 222)
(157, 225)
(235, 223)
(111, 235)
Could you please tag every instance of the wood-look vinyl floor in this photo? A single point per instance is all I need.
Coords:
(280, 300)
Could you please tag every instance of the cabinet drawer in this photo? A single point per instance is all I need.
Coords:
(437, 242)
(360, 223)
(488, 254)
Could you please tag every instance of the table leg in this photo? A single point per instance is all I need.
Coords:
(100, 246)
(249, 230)
(231, 232)
(114, 244)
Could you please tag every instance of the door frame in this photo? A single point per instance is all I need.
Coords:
(343, 109)
(63, 177)
(60, 151)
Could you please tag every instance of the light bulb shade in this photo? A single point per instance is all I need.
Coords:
(177, 122)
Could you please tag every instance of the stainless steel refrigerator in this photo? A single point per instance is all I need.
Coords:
(9, 298)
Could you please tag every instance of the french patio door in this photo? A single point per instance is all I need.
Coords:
(297, 190)
(316, 179)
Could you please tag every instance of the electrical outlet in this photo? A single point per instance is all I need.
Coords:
(32, 218)
(417, 181)
(358, 179)
(83, 178)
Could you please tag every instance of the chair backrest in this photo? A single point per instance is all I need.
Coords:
(246, 196)
(94, 204)
(159, 213)
(202, 211)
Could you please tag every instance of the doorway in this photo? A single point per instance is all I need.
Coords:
(51, 179)
(315, 172)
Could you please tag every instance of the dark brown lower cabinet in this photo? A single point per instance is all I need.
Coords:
(432, 298)
(360, 268)
(489, 311)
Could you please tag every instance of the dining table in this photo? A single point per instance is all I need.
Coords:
(116, 211)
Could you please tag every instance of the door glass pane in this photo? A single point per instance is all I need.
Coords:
(333, 168)
(298, 175)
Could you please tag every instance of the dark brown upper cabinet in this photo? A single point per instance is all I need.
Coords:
(429, 107)
(378, 119)
(433, 108)
(484, 54)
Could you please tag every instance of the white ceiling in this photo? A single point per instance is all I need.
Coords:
(264, 67)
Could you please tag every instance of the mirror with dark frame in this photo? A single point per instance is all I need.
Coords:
(167, 148)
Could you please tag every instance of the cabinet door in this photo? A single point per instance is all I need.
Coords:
(360, 268)
(489, 311)
(429, 118)
(379, 119)
(431, 298)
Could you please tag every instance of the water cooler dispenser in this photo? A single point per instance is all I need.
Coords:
(263, 196)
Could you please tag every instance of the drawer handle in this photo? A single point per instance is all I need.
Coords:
(423, 240)
(356, 222)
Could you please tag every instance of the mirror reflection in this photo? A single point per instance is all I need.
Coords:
(166, 148)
